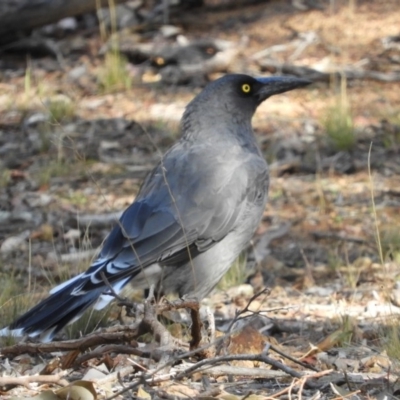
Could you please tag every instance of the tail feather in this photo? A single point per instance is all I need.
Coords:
(65, 284)
(60, 309)
(53, 313)
(105, 299)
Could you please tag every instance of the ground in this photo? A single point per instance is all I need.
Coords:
(74, 151)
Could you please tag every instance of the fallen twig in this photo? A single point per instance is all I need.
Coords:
(114, 376)
(318, 76)
(26, 380)
(338, 236)
(150, 377)
(237, 357)
(120, 349)
(242, 371)
(294, 360)
(151, 323)
(222, 343)
(246, 308)
(127, 335)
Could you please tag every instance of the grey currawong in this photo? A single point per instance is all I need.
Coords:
(195, 212)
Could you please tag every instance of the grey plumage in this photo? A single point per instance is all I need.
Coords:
(195, 212)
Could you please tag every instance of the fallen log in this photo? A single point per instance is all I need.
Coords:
(17, 19)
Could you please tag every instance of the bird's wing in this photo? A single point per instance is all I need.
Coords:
(191, 200)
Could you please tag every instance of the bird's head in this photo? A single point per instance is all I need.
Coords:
(234, 97)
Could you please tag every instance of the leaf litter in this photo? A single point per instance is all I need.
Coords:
(328, 326)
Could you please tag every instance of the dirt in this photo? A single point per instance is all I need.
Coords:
(336, 255)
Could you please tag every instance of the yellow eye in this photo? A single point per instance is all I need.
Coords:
(246, 88)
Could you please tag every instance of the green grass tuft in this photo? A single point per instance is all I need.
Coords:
(236, 275)
(114, 74)
(12, 303)
(338, 123)
(389, 334)
(390, 242)
(88, 323)
(60, 108)
(5, 177)
(339, 127)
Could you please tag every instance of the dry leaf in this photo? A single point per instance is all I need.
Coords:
(376, 363)
(229, 397)
(335, 338)
(142, 394)
(46, 395)
(78, 390)
(45, 232)
(247, 341)
(68, 359)
(342, 392)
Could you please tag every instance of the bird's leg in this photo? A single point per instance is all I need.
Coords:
(196, 327)
(194, 306)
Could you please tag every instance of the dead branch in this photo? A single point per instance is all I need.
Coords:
(236, 357)
(338, 236)
(292, 359)
(96, 339)
(246, 308)
(152, 380)
(174, 66)
(26, 380)
(156, 355)
(221, 62)
(318, 76)
(151, 323)
(242, 371)
(114, 376)
(35, 13)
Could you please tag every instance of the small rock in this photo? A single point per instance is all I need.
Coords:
(13, 243)
(320, 291)
(109, 145)
(241, 290)
(38, 199)
(77, 72)
(95, 373)
(72, 234)
(169, 31)
(4, 216)
(36, 118)
(92, 104)
(68, 24)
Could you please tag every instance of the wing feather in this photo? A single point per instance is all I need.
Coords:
(178, 212)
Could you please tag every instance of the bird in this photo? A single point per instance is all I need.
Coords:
(195, 212)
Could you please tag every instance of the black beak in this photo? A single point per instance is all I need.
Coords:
(278, 84)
